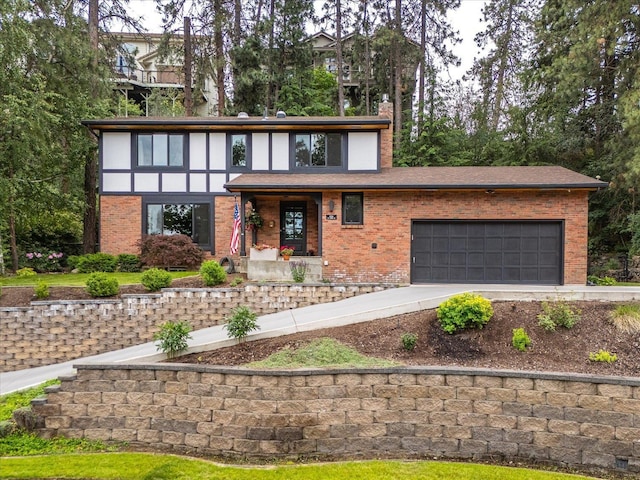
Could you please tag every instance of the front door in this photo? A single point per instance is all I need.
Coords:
(293, 226)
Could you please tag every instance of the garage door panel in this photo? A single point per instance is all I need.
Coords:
(489, 252)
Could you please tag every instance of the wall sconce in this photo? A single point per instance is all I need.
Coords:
(272, 223)
(490, 191)
(332, 205)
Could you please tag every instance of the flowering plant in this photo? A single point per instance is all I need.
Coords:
(262, 246)
(286, 250)
(44, 262)
(253, 220)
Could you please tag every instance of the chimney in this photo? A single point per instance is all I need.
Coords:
(385, 110)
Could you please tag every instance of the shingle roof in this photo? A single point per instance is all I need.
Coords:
(421, 178)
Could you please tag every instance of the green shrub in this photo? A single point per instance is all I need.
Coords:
(236, 281)
(72, 261)
(154, 279)
(97, 262)
(164, 251)
(26, 272)
(520, 339)
(212, 273)
(603, 356)
(42, 290)
(100, 284)
(172, 337)
(128, 262)
(558, 314)
(466, 310)
(409, 341)
(602, 281)
(241, 322)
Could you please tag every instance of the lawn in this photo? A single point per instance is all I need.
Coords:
(139, 466)
(77, 279)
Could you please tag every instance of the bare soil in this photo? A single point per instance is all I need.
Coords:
(561, 351)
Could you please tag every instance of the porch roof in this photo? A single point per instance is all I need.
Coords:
(421, 178)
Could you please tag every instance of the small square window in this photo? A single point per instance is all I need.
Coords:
(239, 150)
(352, 209)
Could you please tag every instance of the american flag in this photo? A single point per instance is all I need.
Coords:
(235, 234)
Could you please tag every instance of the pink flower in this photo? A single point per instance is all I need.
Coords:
(29, 256)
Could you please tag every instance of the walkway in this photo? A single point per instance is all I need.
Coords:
(357, 309)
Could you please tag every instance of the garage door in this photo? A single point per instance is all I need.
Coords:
(486, 252)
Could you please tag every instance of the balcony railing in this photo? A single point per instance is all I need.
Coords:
(149, 76)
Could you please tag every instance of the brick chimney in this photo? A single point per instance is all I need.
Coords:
(385, 109)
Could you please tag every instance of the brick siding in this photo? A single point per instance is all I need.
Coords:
(120, 224)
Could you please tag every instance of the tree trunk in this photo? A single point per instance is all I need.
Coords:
(339, 58)
(398, 76)
(219, 49)
(89, 237)
(188, 101)
(1, 256)
(423, 49)
(502, 68)
(367, 59)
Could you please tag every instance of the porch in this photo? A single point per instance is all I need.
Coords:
(280, 270)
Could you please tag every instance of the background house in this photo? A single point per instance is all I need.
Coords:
(143, 69)
(327, 187)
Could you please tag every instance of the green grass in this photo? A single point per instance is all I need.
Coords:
(20, 443)
(77, 279)
(139, 466)
(626, 318)
(13, 401)
(323, 352)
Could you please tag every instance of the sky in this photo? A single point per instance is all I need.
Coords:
(466, 20)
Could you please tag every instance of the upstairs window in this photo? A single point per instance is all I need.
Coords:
(239, 151)
(160, 150)
(318, 150)
(352, 209)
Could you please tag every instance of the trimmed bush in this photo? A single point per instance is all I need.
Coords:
(558, 314)
(603, 356)
(26, 272)
(520, 339)
(466, 310)
(128, 262)
(72, 261)
(154, 279)
(41, 290)
(100, 284)
(172, 338)
(212, 273)
(165, 251)
(97, 262)
(409, 341)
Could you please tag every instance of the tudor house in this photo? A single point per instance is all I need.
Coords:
(326, 186)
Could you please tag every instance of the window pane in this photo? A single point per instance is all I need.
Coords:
(303, 149)
(352, 209)
(154, 219)
(239, 150)
(334, 151)
(144, 150)
(160, 149)
(176, 150)
(201, 228)
(319, 150)
(178, 219)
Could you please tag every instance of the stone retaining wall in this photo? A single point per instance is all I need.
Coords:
(399, 412)
(53, 332)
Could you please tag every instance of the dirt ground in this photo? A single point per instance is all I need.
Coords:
(560, 351)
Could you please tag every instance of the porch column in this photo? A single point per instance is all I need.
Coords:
(317, 197)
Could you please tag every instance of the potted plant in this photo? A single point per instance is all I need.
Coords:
(286, 251)
(253, 220)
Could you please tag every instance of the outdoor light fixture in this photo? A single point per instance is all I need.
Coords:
(272, 223)
(332, 205)
(385, 97)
